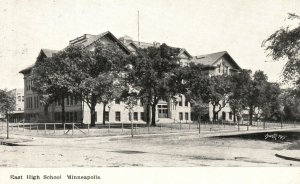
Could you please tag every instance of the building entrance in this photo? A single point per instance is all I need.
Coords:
(162, 111)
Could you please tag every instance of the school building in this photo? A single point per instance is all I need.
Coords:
(116, 111)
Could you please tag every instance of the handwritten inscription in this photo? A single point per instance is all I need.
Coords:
(275, 137)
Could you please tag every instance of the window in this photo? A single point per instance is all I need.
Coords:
(219, 68)
(34, 102)
(230, 115)
(76, 101)
(129, 116)
(180, 116)
(186, 116)
(223, 116)
(22, 98)
(31, 105)
(19, 98)
(68, 101)
(75, 116)
(141, 102)
(143, 116)
(135, 116)
(71, 117)
(106, 116)
(186, 103)
(71, 100)
(67, 116)
(118, 116)
(180, 100)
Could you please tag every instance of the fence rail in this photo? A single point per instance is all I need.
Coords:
(140, 128)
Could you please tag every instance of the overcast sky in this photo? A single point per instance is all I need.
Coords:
(202, 27)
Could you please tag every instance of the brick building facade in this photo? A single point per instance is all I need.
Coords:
(116, 111)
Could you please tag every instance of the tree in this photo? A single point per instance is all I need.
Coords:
(283, 44)
(219, 89)
(156, 74)
(256, 97)
(240, 85)
(197, 91)
(7, 104)
(51, 79)
(95, 74)
(272, 107)
(291, 104)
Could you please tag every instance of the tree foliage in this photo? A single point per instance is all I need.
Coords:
(96, 74)
(7, 101)
(284, 44)
(240, 85)
(155, 73)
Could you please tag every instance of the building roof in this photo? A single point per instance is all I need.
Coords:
(43, 52)
(144, 45)
(88, 39)
(49, 52)
(211, 59)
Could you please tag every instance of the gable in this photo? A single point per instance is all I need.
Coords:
(226, 60)
(88, 41)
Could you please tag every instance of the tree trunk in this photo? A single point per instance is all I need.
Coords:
(148, 113)
(103, 113)
(63, 119)
(92, 109)
(214, 113)
(234, 116)
(153, 123)
(250, 115)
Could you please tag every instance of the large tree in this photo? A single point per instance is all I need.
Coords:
(155, 73)
(219, 90)
(197, 88)
(284, 45)
(240, 85)
(51, 80)
(7, 104)
(95, 74)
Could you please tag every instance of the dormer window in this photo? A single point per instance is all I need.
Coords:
(219, 68)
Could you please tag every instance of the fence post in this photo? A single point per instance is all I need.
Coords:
(238, 124)
(88, 126)
(199, 124)
(72, 128)
(45, 128)
(149, 127)
(135, 126)
(108, 126)
(180, 124)
(64, 128)
(54, 127)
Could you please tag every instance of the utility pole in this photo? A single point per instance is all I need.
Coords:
(139, 27)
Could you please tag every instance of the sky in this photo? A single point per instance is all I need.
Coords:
(199, 26)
